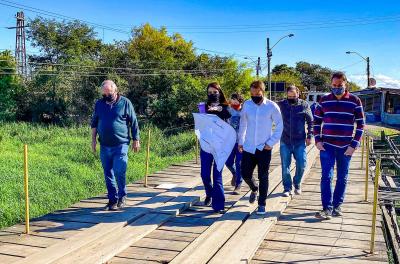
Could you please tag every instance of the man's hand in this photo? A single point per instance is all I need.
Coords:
(240, 148)
(94, 144)
(349, 151)
(267, 147)
(135, 145)
(320, 146)
(308, 142)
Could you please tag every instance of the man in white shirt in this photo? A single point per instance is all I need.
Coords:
(256, 140)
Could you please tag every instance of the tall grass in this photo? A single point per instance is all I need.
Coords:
(62, 168)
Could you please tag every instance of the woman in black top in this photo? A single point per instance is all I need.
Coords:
(216, 104)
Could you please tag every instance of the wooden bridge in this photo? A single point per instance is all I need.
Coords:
(170, 225)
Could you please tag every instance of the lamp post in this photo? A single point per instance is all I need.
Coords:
(269, 55)
(368, 68)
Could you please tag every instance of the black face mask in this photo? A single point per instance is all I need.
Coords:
(257, 99)
(293, 100)
(213, 98)
(108, 98)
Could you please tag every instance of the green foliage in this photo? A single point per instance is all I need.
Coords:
(312, 76)
(10, 87)
(62, 169)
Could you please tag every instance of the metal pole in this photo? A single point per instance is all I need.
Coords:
(147, 157)
(26, 188)
(269, 55)
(258, 67)
(373, 228)
(366, 169)
(197, 150)
(362, 150)
(368, 72)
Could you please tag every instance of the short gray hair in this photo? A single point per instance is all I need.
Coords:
(113, 85)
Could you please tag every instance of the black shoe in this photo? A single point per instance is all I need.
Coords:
(207, 201)
(233, 180)
(324, 214)
(111, 206)
(337, 211)
(223, 211)
(121, 202)
(253, 197)
(236, 191)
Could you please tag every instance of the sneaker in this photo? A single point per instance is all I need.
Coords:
(261, 210)
(111, 206)
(253, 197)
(324, 215)
(121, 202)
(233, 180)
(222, 211)
(337, 211)
(207, 201)
(236, 191)
(297, 191)
(287, 193)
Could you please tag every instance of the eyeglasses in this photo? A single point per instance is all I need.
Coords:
(213, 92)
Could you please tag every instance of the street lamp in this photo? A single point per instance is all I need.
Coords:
(269, 55)
(258, 66)
(367, 60)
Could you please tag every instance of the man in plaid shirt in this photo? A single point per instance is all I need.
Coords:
(334, 118)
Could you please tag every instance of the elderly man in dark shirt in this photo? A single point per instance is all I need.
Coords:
(114, 121)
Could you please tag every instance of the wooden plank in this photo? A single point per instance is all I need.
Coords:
(26, 240)
(161, 244)
(172, 235)
(104, 248)
(255, 229)
(149, 254)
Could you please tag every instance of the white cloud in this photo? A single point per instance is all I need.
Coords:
(381, 80)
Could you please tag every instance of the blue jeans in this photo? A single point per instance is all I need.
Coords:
(300, 155)
(115, 161)
(215, 190)
(328, 159)
(233, 164)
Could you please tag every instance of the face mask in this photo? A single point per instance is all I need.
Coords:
(337, 90)
(236, 106)
(292, 100)
(213, 98)
(257, 99)
(108, 98)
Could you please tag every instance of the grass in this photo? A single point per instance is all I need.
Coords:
(376, 130)
(62, 168)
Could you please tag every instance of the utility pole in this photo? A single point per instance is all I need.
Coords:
(368, 73)
(258, 67)
(20, 49)
(269, 55)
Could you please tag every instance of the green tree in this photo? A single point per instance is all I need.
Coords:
(10, 87)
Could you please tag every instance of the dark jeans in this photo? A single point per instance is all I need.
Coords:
(234, 164)
(299, 153)
(261, 159)
(329, 157)
(115, 161)
(215, 188)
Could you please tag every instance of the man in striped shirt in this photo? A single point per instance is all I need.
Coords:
(336, 139)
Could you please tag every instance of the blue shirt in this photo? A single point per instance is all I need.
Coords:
(116, 124)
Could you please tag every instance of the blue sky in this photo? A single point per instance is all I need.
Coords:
(241, 27)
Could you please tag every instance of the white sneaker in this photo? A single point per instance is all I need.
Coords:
(287, 194)
(297, 191)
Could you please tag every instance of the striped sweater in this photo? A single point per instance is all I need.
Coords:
(334, 120)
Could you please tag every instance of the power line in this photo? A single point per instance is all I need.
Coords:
(57, 15)
(353, 64)
(293, 28)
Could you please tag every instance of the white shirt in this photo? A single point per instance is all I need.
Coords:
(255, 129)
